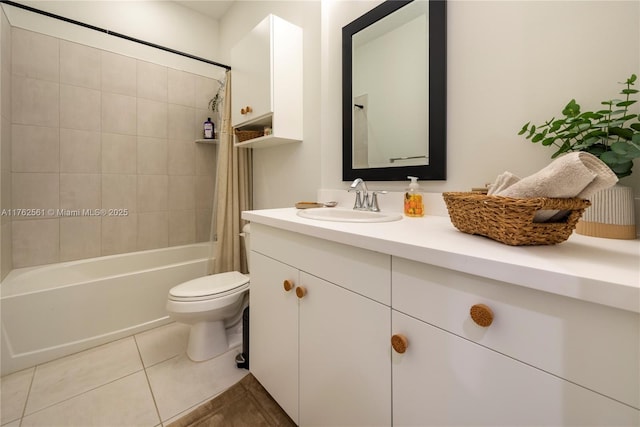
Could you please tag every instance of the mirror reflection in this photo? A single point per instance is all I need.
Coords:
(394, 92)
(390, 75)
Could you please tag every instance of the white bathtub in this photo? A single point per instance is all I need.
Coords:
(54, 310)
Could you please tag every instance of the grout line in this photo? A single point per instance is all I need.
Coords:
(146, 375)
(24, 407)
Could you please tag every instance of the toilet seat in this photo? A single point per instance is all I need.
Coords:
(210, 287)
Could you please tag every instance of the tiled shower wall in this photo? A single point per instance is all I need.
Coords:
(96, 130)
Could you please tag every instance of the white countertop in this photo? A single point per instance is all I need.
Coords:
(603, 271)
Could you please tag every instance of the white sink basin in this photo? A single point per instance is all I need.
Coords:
(348, 215)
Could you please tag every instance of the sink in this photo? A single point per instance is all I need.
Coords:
(348, 215)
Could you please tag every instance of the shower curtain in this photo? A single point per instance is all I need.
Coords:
(233, 195)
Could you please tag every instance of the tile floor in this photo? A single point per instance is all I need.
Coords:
(142, 380)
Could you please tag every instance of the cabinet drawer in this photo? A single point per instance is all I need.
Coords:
(592, 345)
(365, 272)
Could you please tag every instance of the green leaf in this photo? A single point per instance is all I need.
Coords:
(572, 109)
(524, 129)
(635, 126)
(626, 103)
(631, 80)
(625, 150)
(548, 141)
(629, 91)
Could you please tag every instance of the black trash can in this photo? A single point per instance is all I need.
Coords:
(242, 359)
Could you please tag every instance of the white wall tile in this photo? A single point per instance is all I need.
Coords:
(119, 114)
(35, 102)
(118, 74)
(80, 151)
(35, 242)
(119, 153)
(152, 81)
(80, 237)
(79, 108)
(80, 65)
(34, 55)
(35, 149)
(152, 156)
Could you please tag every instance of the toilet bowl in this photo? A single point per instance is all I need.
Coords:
(211, 305)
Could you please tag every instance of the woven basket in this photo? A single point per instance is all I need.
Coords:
(509, 220)
(245, 135)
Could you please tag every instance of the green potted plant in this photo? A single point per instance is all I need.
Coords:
(612, 134)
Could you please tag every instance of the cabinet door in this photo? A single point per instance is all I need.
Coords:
(273, 336)
(443, 379)
(251, 78)
(345, 374)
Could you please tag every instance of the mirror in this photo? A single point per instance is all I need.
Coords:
(394, 92)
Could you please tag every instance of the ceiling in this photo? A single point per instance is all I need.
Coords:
(212, 8)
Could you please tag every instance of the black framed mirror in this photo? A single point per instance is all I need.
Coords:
(394, 92)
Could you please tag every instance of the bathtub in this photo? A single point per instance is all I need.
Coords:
(55, 310)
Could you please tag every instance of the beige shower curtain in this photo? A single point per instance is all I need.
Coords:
(233, 195)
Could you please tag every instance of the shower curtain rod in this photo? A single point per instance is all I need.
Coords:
(113, 33)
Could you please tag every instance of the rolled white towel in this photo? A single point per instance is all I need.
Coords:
(575, 174)
(504, 180)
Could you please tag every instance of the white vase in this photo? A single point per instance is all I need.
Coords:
(610, 215)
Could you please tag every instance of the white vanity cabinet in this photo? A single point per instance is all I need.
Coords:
(544, 360)
(267, 82)
(321, 349)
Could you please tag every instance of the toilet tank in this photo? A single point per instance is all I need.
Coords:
(246, 231)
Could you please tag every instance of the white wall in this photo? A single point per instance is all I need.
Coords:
(161, 22)
(508, 62)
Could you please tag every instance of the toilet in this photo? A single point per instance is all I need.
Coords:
(211, 305)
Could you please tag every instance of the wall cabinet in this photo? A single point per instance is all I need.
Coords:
(267, 83)
(327, 357)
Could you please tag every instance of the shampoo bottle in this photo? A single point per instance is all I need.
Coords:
(208, 129)
(413, 205)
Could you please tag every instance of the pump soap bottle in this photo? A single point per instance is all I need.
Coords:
(413, 205)
(208, 129)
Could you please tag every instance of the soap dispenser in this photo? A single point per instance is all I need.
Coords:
(208, 129)
(413, 205)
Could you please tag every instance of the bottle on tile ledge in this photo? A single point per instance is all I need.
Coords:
(208, 129)
(413, 205)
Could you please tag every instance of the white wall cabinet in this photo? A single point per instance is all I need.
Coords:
(320, 349)
(327, 358)
(266, 83)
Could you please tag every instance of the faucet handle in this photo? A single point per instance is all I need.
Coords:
(374, 201)
(358, 202)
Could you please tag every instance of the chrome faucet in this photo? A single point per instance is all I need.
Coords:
(362, 202)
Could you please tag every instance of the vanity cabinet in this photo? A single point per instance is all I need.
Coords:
(367, 338)
(542, 360)
(267, 83)
(320, 324)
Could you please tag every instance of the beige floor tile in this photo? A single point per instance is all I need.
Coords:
(13, 394)
(165, 342)
(125, 402)
(179, 383)
(72, 375)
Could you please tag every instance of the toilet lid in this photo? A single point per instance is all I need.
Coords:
(209, 286)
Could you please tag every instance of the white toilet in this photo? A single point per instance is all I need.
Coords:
(211, 305)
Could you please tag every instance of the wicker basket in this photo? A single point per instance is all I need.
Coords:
(245, 135)
(509, 220)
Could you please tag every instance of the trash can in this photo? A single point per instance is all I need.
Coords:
(242, 359)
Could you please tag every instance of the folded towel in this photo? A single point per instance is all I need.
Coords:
(576, 174)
